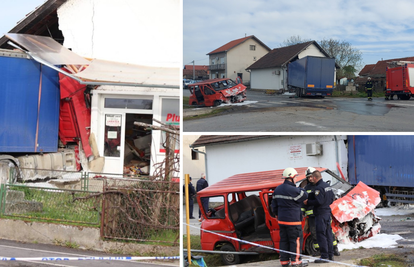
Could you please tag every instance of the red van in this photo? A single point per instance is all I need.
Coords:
(216, 91)
(239, 207)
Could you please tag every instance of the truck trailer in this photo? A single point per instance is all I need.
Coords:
(384, 163)
(312, 76)
(400, 80)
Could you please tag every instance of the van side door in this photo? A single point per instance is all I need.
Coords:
(271, 220)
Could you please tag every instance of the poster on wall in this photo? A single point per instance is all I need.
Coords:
(295, 152)
(170, 114)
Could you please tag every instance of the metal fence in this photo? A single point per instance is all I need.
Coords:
(49, 204)
(139, 209)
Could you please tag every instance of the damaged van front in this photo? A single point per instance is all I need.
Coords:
(216, 91)
(240, 218)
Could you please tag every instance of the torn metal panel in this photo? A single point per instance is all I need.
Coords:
(116, 72)
(47, 49)
(357, 203)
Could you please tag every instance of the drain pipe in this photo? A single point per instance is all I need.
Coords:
(337, 153)
(205, 158)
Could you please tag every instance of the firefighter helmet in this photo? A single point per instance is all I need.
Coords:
(289, 173)
(309, 171)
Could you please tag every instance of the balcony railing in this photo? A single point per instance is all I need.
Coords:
(218, 67)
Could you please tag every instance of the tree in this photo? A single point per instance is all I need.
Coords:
(294, 40)
(344, 53)
(349, 71)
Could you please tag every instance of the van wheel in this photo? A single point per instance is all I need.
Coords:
(229, 259)
(309, 248)
(194, 103)
(217, 103)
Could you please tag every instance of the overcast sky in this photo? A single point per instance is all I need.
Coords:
(379, 29)
(13, 11)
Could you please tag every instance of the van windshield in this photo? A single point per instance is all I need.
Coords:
(223, 85)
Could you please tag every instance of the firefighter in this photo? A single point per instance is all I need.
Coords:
(308, 210)
(321, 199)
(286, 204)
(368, 88)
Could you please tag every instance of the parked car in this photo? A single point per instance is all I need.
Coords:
(240, 208)
(214, 92)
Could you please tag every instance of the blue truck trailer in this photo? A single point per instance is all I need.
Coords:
(312, 76)
(29, 105)
(384, 163)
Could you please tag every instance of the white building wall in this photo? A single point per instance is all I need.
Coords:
(263, 78)
(137, 32)
(267, 79)
(311, 50)
(192, 167)
(225, 160)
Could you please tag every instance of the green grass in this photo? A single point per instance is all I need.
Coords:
(185, 102)
(60, 206)
(356, 94)
(384, 260)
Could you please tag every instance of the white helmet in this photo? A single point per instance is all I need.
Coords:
(289, 173)
(309, 171)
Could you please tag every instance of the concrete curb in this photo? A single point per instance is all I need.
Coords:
(66, 235)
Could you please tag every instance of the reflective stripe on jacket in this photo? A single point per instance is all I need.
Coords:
(287, 202)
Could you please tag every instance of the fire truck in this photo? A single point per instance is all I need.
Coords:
(400, 80)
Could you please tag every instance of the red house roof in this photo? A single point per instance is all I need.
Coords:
(235, 43)
(379, 69)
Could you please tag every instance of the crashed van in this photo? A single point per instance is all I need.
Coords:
(214, 92)
(240, 218)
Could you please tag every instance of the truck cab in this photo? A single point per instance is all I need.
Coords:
(216, 91)
(240, 218)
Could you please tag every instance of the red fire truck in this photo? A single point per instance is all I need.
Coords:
(400, 80)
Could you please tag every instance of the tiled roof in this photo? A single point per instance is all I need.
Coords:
(281, 56)
(196, 67)
(367, 69)
(205, 140)
(379, 69)
(234, 43)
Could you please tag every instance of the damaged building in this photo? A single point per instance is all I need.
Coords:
(89, 71)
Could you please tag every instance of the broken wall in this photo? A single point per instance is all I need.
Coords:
(137, 32)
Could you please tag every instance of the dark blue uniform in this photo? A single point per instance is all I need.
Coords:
(310, 189)
(191, 194)
(286, 204)
(321, 199)
(201, 184)
(368, 87)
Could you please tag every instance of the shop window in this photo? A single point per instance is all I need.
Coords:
(112, 135)
(128, 103)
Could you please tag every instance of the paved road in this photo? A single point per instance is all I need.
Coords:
(281, 113)
(16, 249)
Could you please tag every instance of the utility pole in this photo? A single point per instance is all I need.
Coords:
(193, 70)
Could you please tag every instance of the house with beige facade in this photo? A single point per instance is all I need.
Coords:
(270, 71)
(194, 160)
(232, 59)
